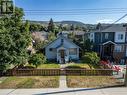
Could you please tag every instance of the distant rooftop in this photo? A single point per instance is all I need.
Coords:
(112, 28)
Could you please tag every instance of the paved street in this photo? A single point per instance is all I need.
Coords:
(65, 91)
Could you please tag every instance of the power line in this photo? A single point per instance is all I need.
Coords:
(77, 11)
(81, 9)
(114, 22)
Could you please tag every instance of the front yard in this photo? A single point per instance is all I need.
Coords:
(30, 82)
(46, 66)
(91, 81)
(82, 65)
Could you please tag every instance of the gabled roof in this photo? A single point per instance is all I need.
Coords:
(63, 38)
(108, 42)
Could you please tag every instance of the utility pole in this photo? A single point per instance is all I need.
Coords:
(125, 81)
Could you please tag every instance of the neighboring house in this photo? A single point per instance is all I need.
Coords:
(110, 42)
(62, 50)
(76, 33)
(42, 35)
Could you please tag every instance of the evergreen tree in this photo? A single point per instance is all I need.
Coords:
(14, 38)
(51, 26)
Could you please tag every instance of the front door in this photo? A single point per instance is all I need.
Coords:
(62, 56)
(62, 53)
(108, 51)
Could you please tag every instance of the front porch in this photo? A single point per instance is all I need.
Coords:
(64, 55)
(107, 50)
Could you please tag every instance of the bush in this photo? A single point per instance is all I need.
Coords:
(91, 58)
(4, 68)
(37, 59)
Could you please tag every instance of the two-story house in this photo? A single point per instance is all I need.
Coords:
(110, 42)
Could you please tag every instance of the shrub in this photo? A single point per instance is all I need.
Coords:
(37, 59)
(91, 58)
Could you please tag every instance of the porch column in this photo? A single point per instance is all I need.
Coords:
(57, 52)
(78, 53)
(67, 54)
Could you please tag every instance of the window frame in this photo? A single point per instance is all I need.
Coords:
(74, 52)
(106, 35)
(120, 36)
(118, 48)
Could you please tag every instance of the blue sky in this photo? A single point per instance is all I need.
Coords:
(73, 4)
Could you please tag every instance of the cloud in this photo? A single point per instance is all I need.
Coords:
(105, 21)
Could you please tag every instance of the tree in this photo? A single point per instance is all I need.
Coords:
(38, 44)
(51, 37)
(91, 58)
(87, 45)
(60, 27)
(98, 26)
(37, 59)
(71, 36)
(14, 38)
(51, 26)
(36, 27)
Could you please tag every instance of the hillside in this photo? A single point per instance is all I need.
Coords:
(61, 22)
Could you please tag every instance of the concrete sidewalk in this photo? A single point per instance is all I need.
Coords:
(63, 83)
(65, 91)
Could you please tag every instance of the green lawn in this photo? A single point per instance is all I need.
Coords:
(91, 81)
(46, 66)
(69, 65)
(51, 65)
(82, 65)
(30, 82)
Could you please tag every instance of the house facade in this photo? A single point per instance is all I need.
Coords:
(62, 50)
(110, 42)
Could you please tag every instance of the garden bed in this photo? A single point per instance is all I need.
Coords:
(30, 82)
(91, 81)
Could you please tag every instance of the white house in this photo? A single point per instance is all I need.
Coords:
(62, 50)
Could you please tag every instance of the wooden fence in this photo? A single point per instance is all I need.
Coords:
(57, 72)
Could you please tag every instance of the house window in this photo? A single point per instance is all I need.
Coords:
(120, 36)
(52, 49)
(62, 40)
(73, 51)
(106, 35)
(118, 48)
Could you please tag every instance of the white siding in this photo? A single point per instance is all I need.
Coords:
(117, 36)
(67, 44)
